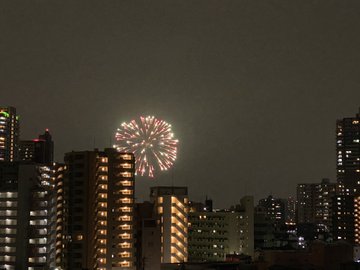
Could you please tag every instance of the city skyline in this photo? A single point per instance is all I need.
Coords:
(84, 213)
(153, 180)
(253, 90)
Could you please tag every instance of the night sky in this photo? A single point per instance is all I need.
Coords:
(251, 88)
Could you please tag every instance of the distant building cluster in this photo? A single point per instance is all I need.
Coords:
(82, 214)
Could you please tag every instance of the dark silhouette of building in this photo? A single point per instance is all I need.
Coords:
(148, 237)
(314, 203)
(319, 256)
(47, 151)
(40, 150)
(264, 229)
(348, 155)
(208, 205)
(348, 179)
(208, 266)
(275, 209)
(290, 211)
(343, 218)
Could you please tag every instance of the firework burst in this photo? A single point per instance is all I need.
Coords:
(152, 142)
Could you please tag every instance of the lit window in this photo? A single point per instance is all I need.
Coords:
(126, 157)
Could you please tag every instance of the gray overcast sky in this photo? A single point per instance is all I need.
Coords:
(252, 88)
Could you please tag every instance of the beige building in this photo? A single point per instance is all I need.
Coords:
(171, 204)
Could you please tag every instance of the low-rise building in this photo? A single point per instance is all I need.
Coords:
(213, 235)
(319, 255)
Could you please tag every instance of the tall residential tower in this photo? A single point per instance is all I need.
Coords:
(9, 134)
(98, 200)
(348, 155)
(345, 226)
(27, 217)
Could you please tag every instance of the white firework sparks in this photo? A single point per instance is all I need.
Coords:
(152, 142)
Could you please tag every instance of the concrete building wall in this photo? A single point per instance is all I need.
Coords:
(151, 244)
(315, 202)
(172, 207)
(212, 235)
(148, 237)
(27, 217)
(208, 236)
(99, 215)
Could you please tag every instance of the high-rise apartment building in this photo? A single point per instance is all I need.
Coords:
(56, 174)
(40, 150)
(171, 204)
(345, 219)
(348, 155)
(315, 202)
(9, 134)
(27, 217)
(98, 210)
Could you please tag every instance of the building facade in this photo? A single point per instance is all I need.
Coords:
(215, 234)
(209, 236)
(346, 225)
(9, 134)
(348, 155)
(343, 210)
(98, 203)
(315, 203)
(148, 237)
(40, 150)
(275, 209)
(171, 204)
(27, 217)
